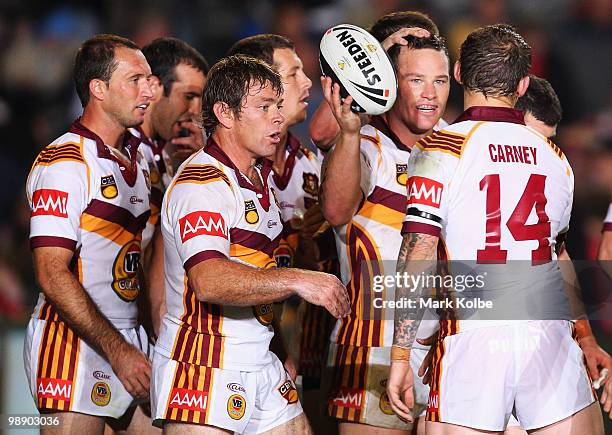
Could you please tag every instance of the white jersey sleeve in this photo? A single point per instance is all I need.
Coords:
(58, 192)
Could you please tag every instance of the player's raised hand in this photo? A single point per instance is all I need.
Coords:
(324, 290)
(189, 142)
(400, 389)
(132, 368)
(397, 38)
(348, 120)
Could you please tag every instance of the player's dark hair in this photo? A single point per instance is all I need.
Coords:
(542, 101)
(96, 60)
(414, 43)
(261, 46)
(493, 60)
(229, 81)
(165, 54)
(391, 23)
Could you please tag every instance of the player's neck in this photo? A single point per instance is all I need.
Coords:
(471, 99)
(104, 126)
(240, 156)
(147, 125)
(402, 131)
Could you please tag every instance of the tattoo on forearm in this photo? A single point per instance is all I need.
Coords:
(417, 255)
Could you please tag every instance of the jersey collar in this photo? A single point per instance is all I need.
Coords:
(292, 147)
(130, 144)
(379, 123)
(495, 114)
(264, 165)
(156, 146)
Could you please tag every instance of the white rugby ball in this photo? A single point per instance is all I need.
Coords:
(355, 60)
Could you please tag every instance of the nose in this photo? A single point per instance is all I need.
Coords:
(278, 117)
(429, 91)
(147, 92)
(307, 82)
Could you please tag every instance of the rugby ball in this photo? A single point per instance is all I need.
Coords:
(357, 62)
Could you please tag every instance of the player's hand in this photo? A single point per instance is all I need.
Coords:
(313, 222)
(397, 38)
(291, 367)
(596, 358)
(425, 370)
(400, 389)
(348, 121)
(324, 290)
(133, 369)
(606, 397)
(187, 145)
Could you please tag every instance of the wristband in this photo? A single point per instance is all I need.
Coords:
(400, 353)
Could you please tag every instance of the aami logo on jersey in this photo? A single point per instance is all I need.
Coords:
(50, 202)
(57, 389)
(433, 403)
(200, 223)
(424, 191)
(348, 398)
(191, 400)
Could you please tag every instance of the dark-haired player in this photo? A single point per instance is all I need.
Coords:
(213, 368)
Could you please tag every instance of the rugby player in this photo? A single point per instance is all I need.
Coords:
(220, 224)
(475, 166)
(85, 354)
(364, 196)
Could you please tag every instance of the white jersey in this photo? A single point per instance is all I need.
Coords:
(494, 191)
(296, 189)
(210, 211)
(608, 220)
(373, 236)
(160, 175)
(84, 199)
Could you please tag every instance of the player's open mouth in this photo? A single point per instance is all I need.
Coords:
(426, 108)
(143, 106)
(275, 137)
(304, 100)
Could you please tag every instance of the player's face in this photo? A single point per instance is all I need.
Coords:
(539, 126)
(423, 87)
(258, 127)
(295, 83)
(128, 91)
(184, 103)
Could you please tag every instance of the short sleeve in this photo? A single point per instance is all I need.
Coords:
(57, 194)
(199, 217)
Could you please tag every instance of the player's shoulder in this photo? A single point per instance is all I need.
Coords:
(68, 148)
(203, 169)
(449, 140)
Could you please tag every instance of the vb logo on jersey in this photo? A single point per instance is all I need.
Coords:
(125, 272)
(108, 187)
(236, 406)
(101, 394)
(250, 212)
(401, 173)
(264, 313)
(311, 183)
(283, 255)
(288, 391)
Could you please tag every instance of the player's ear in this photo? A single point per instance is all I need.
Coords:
(97, 89)
(523, 84)
(457, 72)
(224, 114)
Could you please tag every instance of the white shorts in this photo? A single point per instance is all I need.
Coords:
(357, 378)
(243, 402)
(65, 374)
(534, 370)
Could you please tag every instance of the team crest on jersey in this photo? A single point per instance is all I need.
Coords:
(250, 212)
(288, 391)
(108, 187)
(236, 406)
(101, 394)
(283, 255)
(401, 173)
(264, 313)
(125, 272)
(311, 183)
(384, 403)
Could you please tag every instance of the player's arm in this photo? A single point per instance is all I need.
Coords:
(81, 314)
(155, 276)
(341, 191)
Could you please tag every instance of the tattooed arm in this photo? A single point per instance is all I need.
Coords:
(417, 257)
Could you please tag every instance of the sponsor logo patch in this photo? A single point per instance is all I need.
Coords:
(401, 173)
(101, 394)
(348, 398)
(283, 255)
(424, 191)
(199, 223)
(236, 406)
(108, 187)
(135, 200)
(57, 389)
(235, 387)
(100, 375)
(311, 183)
(289, 392)
(433, 403)
(250, 212)
(191, 400)
(264, 313)
(50, 202)
(125, 272)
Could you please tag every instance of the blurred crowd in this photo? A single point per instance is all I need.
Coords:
(571, 40)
